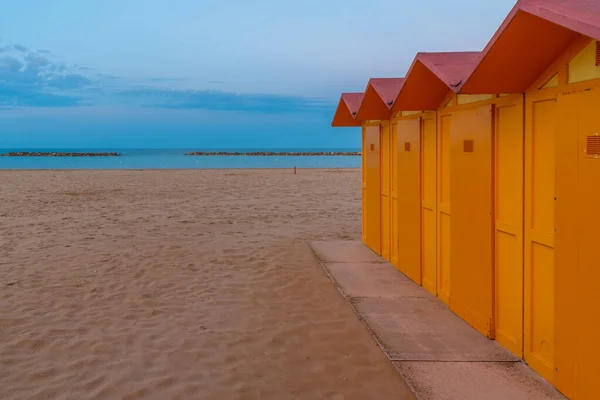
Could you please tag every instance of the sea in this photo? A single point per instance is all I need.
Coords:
(136, 159)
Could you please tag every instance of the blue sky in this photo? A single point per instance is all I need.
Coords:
(210, 73)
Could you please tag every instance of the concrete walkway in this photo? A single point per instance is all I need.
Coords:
(439, 355)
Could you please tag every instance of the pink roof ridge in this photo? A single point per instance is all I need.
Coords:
(387, 88)
(450, 67)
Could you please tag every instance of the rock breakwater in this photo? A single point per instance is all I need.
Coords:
(58, 154)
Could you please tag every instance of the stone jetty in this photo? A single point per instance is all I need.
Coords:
(58, 154)
(271, 154)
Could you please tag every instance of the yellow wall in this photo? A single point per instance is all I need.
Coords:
(562, 193)
(578, 196)
(462, 99)
(583, 66)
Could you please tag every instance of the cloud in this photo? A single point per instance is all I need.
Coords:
(30, 78)
(15, 47)
(20, 48)
(34, 79)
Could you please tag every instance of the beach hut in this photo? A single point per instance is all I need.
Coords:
(461, 270)
(345, 116)
(426, 86)
(549, 51)
(374, 112)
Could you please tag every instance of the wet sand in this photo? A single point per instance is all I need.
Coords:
(180, 285)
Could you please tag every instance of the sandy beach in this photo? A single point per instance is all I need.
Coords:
(180, 285)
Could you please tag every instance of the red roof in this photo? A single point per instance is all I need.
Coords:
(346, 110)
(379, 98)
(431, 76)
(533, 35)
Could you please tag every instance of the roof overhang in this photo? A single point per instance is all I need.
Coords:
(346, 110)
(431, 77)
(379, 98)
(533, 35)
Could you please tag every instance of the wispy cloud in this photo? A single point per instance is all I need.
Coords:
(32, 79)
(36, 78)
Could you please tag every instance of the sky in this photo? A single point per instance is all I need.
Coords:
(211, 73)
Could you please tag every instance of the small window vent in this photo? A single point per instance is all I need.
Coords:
(372, 147)
(597, 53)
(592, 146)
(468, 146)
(406, 146)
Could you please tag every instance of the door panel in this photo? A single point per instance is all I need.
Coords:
(394, 194)
(508, 266)
(429, 203)
(588, 269)
(364, 147)
(373, 189)
(409, 198)
(577, 274)
(443, 219)
(471, 231)
(385, 191)
(539, 235)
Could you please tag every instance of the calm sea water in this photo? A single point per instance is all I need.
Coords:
(176, 159)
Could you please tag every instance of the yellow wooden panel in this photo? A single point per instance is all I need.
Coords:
(373, 189)
(443, 214)
(386, 220)
(409, 198)
(565, 253)
(471, 230)
(472, 98)
(539, 234)
(583, 66)
(588, 199)
(552, 83)
(576, 255)
(508, 266)
(364, 184)
(394, 193)
(541, 276)
(409, 113)
(429, 204)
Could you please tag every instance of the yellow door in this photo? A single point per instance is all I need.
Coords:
(566, 242)
(443, 213)
(394, 193)
(588, 269)
(539, 234)
(577, 268)
(364, 147)
(385, 191)
(508, 266)
(409, 198)
(429, 203)
(471, 231)
(373, 188)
